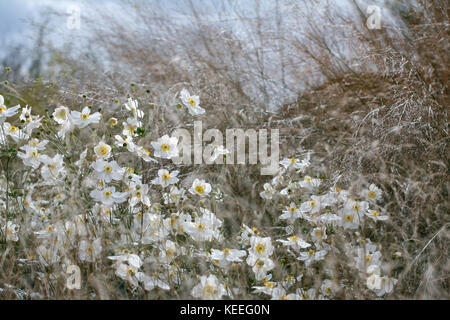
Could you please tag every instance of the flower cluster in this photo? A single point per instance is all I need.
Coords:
(107, 197)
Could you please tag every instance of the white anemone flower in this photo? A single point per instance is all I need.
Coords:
(209, 288)
(84, 118)
(109, 196)
(200, 188)
(165, 147)
(107, 171)
(166, 178)
(6, 112)
(61, 114)
(191, 103)
(102, 150)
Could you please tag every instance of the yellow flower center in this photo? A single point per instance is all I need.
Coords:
(292, 209)
(2, 109)
(209, 290)
(292, 160)
(285, 298)
(311, 252)
(375, 213)
(33, 142)
(372, 194)
(294, 238)
(107, 194)
(34, 154)
(62, 114)
(308, 179)
(318, 233)
(259, 263)
(328, 290)
(260, 248)
(103, 150)
(192, 102)
(269, 284)
(84, 116)
(165, 147)
(107, 168)
(348, 217)
(199, 189)
(200, 226)
(13, 129)
(50, 228)
(356, 207)
(165, 176)
(312, 203)
(131, 271)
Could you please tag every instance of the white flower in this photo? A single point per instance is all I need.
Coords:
(311, 256)
(144, 154)
(295, 242)
(261, 247)
(260, 265)
(200, 188)
(31, 157)
(386, 286)
(102, 150)
(328, 288)
(191, 103)
(373, 193)
(109, 196)
(309, 183)
(133, 105)
(349, 219)
(84, 118)
(306, 294)
(151, 282)
(130, 127)
(61, 114)
(139, 194)
(64, 128)
(203, 228)
(166, 147)
(168, 252)
(14, 132)
(209, 288)
(293, 163)
(268, 192)
(127, 142)
(166, 178)
(218, 151)
(227, 255)
(53, 167)
(289, 190)
(290, 213)
(175, 195)
(38, 145)
(318, 234)
(375, 215)
(11, 231)
(312, 206)
(107, 171)
(89, 251)
(5, 112)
